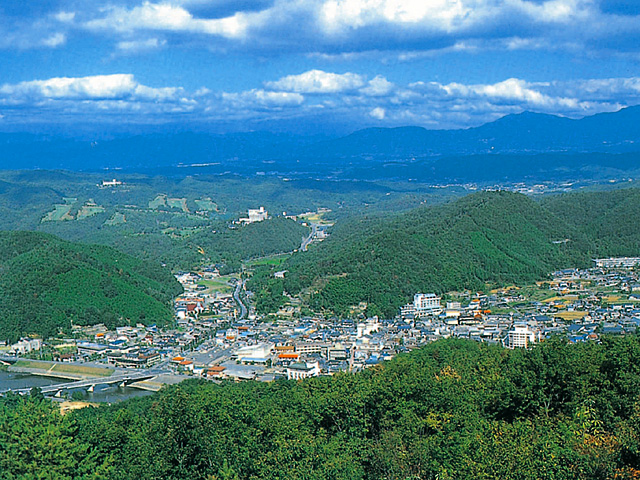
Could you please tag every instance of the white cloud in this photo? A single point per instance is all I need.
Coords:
(55, 40)
(348, 97)
(118, 86)
(262, 98)
(317, 81)
(340, 29)
(339, 15)
(168, 17)
(378, 113)
(512, 91)
(134, 46)
(378, 87)
(65, 17)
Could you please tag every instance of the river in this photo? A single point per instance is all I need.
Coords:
(102, 393)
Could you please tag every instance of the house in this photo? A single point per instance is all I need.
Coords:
(216, 371)
(25, 345)
(89, 348)
(300, 370)
(144, 358)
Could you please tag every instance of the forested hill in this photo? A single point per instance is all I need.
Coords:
(455, 409)
(48, 283)
(488, 237)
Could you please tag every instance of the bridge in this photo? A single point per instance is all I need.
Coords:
(122, 380)
(6, 360)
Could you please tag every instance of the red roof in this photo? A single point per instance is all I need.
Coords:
(288, 355)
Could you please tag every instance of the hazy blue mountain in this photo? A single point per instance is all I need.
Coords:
(600, 146)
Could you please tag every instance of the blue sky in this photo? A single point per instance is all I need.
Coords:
(313, 65)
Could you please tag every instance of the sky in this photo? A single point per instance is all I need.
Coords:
(313, 66)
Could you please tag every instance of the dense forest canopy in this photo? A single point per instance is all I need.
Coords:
(489, 237)
(48, 284)
(453, 409)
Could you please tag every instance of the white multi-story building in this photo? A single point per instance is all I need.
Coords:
(257, 215)
(520, 336)
(298, 371)
(371, 325)
(309, 348)
(25, 345)
(254, 215)
(618, 262)
(426, 304)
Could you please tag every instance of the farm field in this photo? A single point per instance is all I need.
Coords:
(570, 316)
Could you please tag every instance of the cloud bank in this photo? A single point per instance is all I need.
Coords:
(337, 26)
(314, 94)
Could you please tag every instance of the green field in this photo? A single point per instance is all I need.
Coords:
(82, 370)
(217, 285)
(118, 218)
(570, 316)
(60, 212)
(88, 211)
(180, 203)
(34, 364)
(159, 201)
(271, 260)
(65, 368)
(206, 204)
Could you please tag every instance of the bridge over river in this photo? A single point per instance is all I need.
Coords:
(122, 380)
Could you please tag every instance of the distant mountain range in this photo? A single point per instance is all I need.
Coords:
(603, 145)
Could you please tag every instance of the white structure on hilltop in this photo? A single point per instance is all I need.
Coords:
(110, 183)
(255, 215)
(520, 336)
(426, 304)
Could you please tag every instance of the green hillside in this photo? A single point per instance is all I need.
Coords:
(496, 237)
(454, 409)
(609, 220)
(48, 284)
(488, 237)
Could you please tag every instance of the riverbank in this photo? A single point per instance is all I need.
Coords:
(65, 371)
(156, 383)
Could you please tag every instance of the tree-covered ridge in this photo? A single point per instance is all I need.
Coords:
(488, 237)
(609, 220)
(498, 237)
(454, 409)
(48, 284)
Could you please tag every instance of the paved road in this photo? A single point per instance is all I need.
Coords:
(308, 240)
(236, 296)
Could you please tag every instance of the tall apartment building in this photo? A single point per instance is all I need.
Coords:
(426, 304)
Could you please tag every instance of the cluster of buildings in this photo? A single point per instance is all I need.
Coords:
(25, 345)
(209, 339)
(579, 304)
